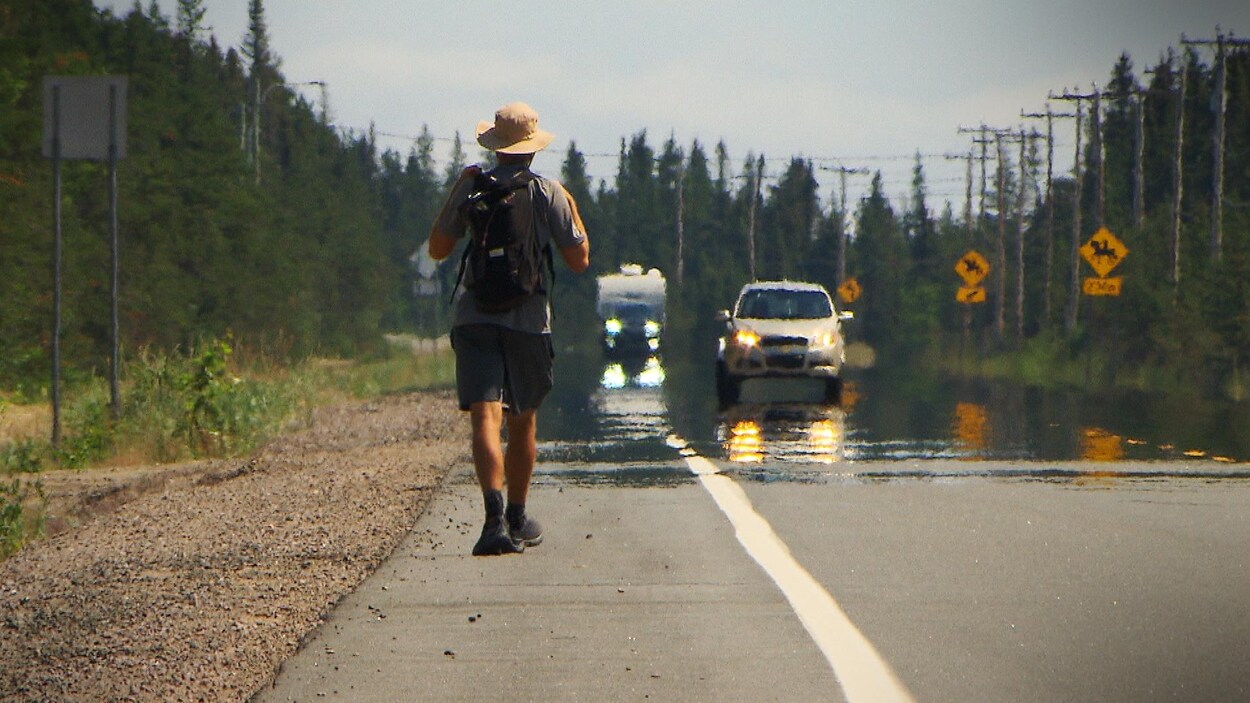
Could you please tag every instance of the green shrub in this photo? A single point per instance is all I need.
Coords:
(17, 526)
(193, 403)
(22, 457)
(88, 435)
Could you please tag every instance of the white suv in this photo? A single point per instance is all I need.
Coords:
(781, 329)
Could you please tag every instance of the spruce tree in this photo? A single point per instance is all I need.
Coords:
(191, 19)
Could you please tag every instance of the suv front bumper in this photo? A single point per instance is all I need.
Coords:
(757, 361)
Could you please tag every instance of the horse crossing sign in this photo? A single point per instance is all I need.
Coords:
(1103, 252)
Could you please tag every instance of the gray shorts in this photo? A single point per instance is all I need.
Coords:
(495, 364)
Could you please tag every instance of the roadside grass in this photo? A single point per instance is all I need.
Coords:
(205, 402)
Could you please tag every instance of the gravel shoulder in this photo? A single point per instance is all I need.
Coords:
(195, 582)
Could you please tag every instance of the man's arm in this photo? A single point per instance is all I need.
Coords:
(578, 256)
(442, 243)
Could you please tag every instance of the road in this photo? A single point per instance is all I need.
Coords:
(1013, 582)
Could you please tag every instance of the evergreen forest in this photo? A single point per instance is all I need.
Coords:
(296, 236)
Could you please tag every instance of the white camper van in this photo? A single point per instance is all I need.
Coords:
(631, 307)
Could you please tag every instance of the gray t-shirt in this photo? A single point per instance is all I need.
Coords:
(550, 213)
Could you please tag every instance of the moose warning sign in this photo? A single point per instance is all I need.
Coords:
(1104, 251)
(972, 267)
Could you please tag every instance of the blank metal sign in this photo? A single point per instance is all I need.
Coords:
(84, 115)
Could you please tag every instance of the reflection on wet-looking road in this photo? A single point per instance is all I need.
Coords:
(615, 415)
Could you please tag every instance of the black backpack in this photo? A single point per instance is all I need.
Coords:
(506, 261)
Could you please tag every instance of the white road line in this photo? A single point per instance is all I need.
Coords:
(863, 674)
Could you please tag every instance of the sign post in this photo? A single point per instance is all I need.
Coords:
(1103, 252)
(84, 117)
(972, 268)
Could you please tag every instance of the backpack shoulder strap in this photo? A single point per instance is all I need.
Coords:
(541, 207)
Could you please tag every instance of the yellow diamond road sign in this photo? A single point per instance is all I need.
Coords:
(849, 290)
(1104, 251)
(972, 267)
(971, 294)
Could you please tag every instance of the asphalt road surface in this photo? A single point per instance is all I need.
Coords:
(692, 580)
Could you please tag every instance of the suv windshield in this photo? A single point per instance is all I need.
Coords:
(784, 305)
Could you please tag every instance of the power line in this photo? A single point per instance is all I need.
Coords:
(827, 163)
(767, 159)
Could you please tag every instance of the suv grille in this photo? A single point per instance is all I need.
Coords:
(783, 341)
(786, 362)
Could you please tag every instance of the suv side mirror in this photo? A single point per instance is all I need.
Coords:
(846, 315)
(722, 316)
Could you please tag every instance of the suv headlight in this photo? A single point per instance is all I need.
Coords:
(612, 326)
(651, 328)
(825, 339)
(746, 338)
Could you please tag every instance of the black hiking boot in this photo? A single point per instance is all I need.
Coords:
(523, 529)
(495, 540)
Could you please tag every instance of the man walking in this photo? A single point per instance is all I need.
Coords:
(503, 349)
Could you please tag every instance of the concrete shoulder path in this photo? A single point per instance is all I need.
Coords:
(635, 594)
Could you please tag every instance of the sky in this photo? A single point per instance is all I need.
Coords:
(841, 82)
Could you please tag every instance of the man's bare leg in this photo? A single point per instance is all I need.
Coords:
(488, 462)
(518, 462)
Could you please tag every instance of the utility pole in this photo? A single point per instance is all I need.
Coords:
(1074, 281)
(970, 235)
(984, 141)
(1000, 247)
(1178, 182)
(1050, 200)
(756, 175)
(1074, 297)
(1000, 250)
(261, 96)
(1020, 200)
(1100, 201)
(842, 172)
(1177, 97)
(681, 206)
(1001, 136)
(1221, 42)
(982, 138)
(969, 157)
(1139, 156)
(243, 131)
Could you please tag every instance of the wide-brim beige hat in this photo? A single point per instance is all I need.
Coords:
(514, 131)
